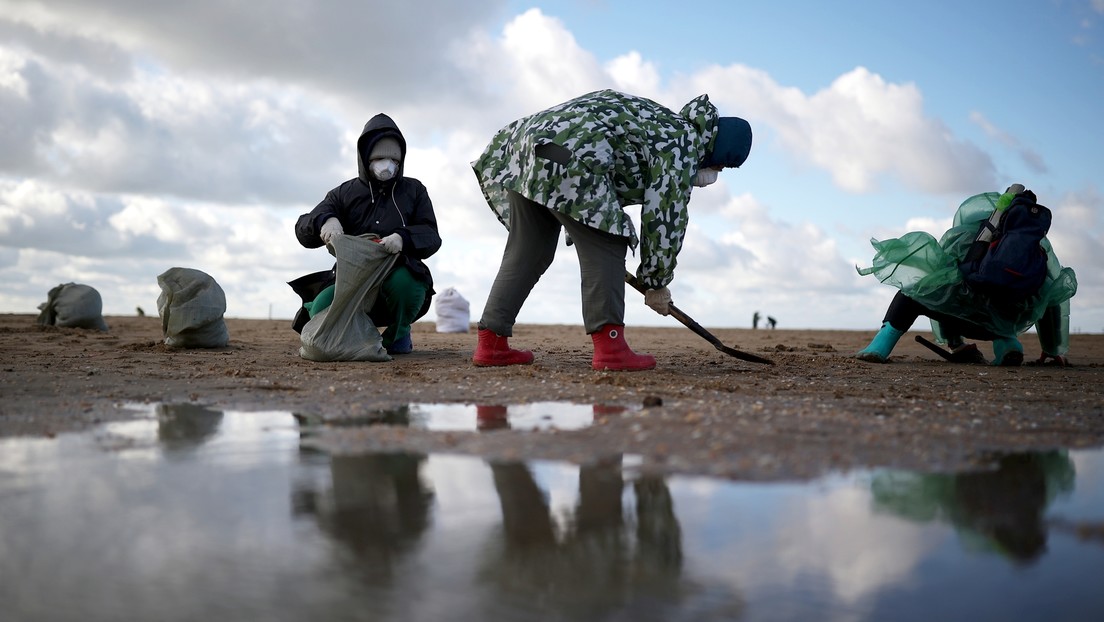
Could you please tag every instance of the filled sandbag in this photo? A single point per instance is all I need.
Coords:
(192, 306)
(72, 305)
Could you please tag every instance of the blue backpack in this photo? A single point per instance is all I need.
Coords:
(1012, 267)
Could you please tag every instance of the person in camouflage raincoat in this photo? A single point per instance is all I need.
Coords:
(577, 166)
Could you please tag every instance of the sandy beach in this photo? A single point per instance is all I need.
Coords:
(816, 410)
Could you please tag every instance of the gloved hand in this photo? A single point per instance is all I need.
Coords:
(392, 243)
(1051, 359)
(659, 300)
(330, 228)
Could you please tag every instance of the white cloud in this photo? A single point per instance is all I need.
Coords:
(632, 74)
(169, 135)
(328, 45)
(11, 77)
(747, 251)
(1030, 157)
(1078, 243)
(860, 129)
(828, 537)
(534, 64)
(156, 218)
(36, 215)
(199, 144)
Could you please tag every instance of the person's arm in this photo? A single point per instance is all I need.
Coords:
(1053, 331)
(308, 228)
(663, 222)
(420, 236)
(1053, 327)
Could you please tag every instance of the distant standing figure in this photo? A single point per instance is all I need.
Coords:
(141, 313)
(771, 322)
(755, 320)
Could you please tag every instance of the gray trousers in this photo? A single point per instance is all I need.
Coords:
(530, 248)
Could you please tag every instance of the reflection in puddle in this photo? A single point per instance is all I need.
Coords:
(536, 416)
(1000, 511)
(195, 513)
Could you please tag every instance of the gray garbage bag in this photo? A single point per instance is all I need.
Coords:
(453, 312)
(192, 306)
(72, 305)
(343, 331)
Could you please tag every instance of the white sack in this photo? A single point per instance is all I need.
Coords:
(453, 312)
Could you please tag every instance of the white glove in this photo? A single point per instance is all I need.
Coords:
(392, 243)
(659, 300)
(330, 228)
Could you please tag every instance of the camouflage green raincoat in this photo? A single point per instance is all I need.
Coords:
(592, 156)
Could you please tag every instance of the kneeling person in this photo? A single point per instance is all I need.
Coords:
(381, 200)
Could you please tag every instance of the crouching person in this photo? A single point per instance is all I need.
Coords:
(382, 201)
(992, 276)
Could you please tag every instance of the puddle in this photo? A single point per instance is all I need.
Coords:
(537, 416)
(201, 514)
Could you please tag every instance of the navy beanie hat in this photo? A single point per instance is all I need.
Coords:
(732, 144)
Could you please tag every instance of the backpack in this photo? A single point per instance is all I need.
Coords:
(1012, 267)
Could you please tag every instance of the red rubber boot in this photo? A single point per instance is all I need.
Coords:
(493, 350)
(613, 354)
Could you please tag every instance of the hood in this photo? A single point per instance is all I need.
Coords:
(376, 128)
(702, 114)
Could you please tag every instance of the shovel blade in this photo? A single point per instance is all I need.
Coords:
(698, 330)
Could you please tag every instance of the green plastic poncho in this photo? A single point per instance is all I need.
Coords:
(926, 270)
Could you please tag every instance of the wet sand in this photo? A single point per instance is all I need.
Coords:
(816, 410)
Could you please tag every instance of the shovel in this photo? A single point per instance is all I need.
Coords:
(967, 355)
(935, 348)
(688, 322)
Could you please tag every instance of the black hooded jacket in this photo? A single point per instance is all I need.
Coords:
(365, 204)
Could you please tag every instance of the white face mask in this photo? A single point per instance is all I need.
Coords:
(384, 168)
(705, 177)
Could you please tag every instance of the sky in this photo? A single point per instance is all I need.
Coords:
(138, 136)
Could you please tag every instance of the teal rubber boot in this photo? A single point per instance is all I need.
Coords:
(883, 343)
(1007, 352)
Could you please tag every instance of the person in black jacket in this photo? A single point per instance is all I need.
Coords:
(380, 200)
